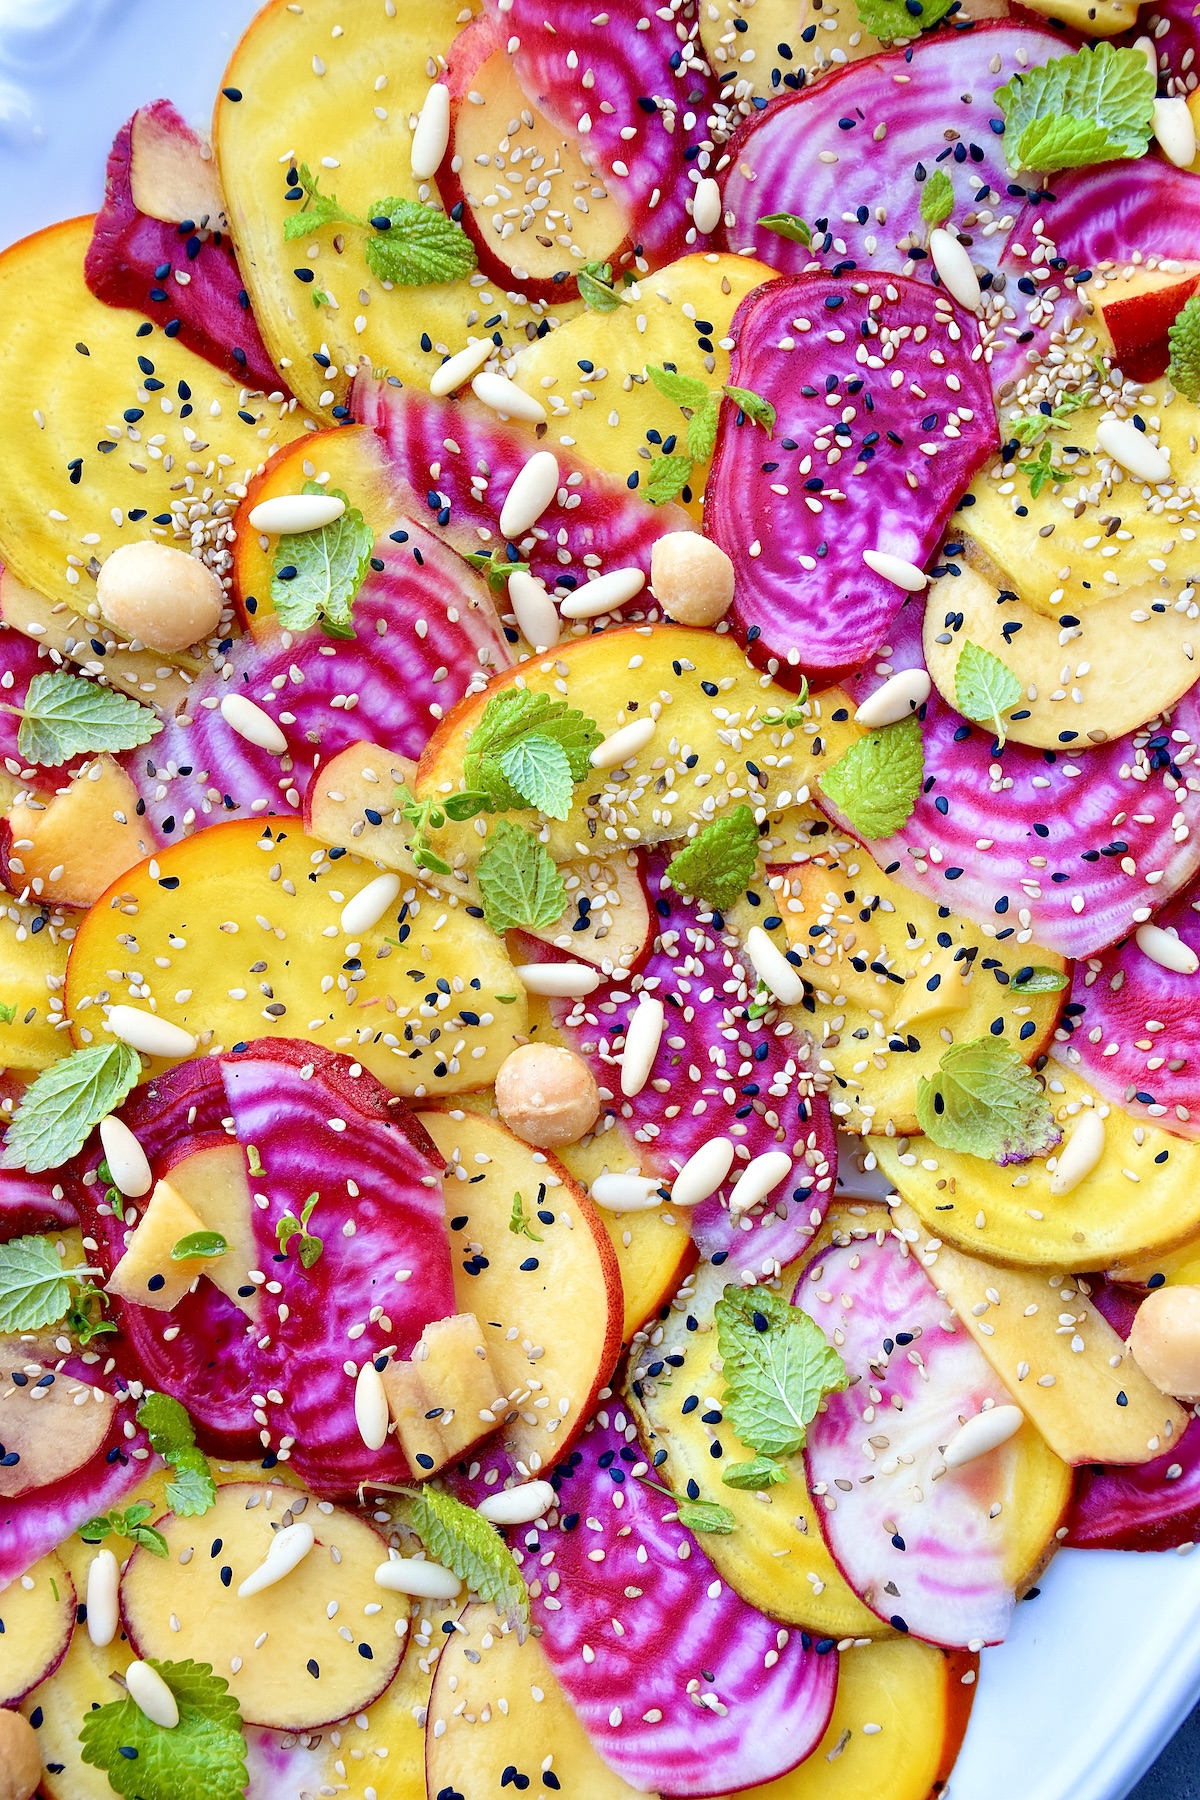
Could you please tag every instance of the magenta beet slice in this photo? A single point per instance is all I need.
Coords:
(436, 449)
(33, 1203)
(665, 1632)
(817, 153)
(724, 1076)
(1080, 815)
(316, 1128)
(20, 661)
(854, 464)
(1149, 1506)
(390, 667)
(932, 1565)
(132, 260)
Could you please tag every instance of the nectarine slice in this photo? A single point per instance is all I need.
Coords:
(50, 1425)
(148, 1274)
(441, 1397)
(210, 1176)
(91, 643)
(37, 1617)
(67, 849)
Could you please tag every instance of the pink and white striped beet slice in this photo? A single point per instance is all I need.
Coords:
(683, 1688)
(1071, 849)
(453, 464)
(427, 633)
(1146, 1506)
(33, 1203)
(21, 662)
(913, 1538)
(859, 460)
(719, 1074)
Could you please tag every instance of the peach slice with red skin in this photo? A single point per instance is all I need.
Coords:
(51, 1424)
(68, 849)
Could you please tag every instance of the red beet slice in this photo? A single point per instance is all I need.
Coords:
(132, 261)
(401, 679)
(452, 466)
(1149, 1506)
(728, 1076)
(796, 513)
(315, 1127)
(733, 1698)
(1082, 813)
(816, 153)
(20, 662)
(918, 1547)
(33, 1203)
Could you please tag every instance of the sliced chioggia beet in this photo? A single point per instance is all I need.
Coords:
(794, 512)
(136, 254)
(32, 1204)
(329, 1655)
(775, 1557)
(937, 1551)
(37, 1617)
(682, 1687)
(1081, 1388)
(1155, 1506)
(51, 1426)
(1134, 1025)
(1143, 1195)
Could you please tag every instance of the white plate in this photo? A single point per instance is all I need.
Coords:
(1105, 1663)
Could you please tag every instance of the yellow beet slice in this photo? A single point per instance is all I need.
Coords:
(69, 849)
(37, 1617)
(243, 898)
(1129, 1206)
(550, 1304)
(1081, 1388)
(147, 1273)
(142, 673)
(496, 1705)
(32, 970)
(1179, 1267)
(319, 1666)
(83, 394)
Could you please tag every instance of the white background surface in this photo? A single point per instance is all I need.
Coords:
(1105, 1662)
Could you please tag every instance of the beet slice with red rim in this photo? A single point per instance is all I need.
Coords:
(427, 631)
(688, 1690)
(21, 661)
(1147, 1506)
(452, 466)
(33, 1203)
(724, 1074)
(918, 1547)
(855, 463)
(1059, 829)
(132, 261)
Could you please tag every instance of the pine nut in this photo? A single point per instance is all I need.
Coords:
(757, 1180)
(368, 906)
(253, 724)
(423, 1580)
(506, 398)
(625, 1192)
(518, 1505)
(103, 1614)
(536, 614)
(1175, 130)
(149, 1691)
(643, 1035)
(1121, 439)
(703, 1173)
(127, 1162)
(906, 575)
(603, 595)
(899, 696)
(146, 1032)
(531, 493)
(295, 513)
(953, 264)
(773, 967)
(289, 1548)
(460, 367)
(431, 139)
(370, 1407)
(986, 1431)
(1080, 1154)
(1164, 948)
(565, 980)
(629, 741)
(706, 206)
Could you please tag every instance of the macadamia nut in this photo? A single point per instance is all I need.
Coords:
(20, 1758)
(164, 598)
(547, 1095)
(692, 578)
(1165, 1340)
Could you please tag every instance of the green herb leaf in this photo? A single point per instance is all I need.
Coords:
(130, 1524)
(520, 885)
(193, 1490)
(1031, 427)
(289, 1226)
(58, 1110)
(34, 1287)
(68, 715)
(1184, 340)
(1043, 468)
(201, 1758)
(760, 411)
(787, 225)
(985, 687)
(318, 209)
(456, 1536)
(254, 1160)
(7, 1014)
(596, 288)
(877, 781)
(1093, 106)
(718, 864)
(777, 1369)
(466, 805)
(519, 1224)
(166, 1424)
(762, 1472)
(198, 1243)
(937, 198)
(511, 717)
(684, 390)
(422, 246)
(85, 1316)
(1039, 980)
(539, 770)
(705, 1515)
(702, 429)
(891, 19)
(668, 477)
(497, 567)
(331, 565)
(985, 1102)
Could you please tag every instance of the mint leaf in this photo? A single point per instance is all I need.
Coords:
(668, 477)
(877, 781)
(85, 1316)
(521, 887)
(497, 567)
(130, 1524)
(318, 573)
(318, 209)
(985, 1102)
(421, 245)
(539, 770)
(777, 1369)
(760, 411)
(985, 687)
(166, 1424)
(34, 1287)
(596, 290)
(937, 198)
(58, 1110)
(787, 225)
(1038, 980)
(684, 390)
(192, 1490)
(455, 1536)
(762, 1472)
(1093, 106)
(68, 715)
(1184, 340)
(718, 864)
(512, 716)
(890, 19)
(705, 1515)
(198, 1243)
(1043, 468)
(702, 429)
(201, 1758)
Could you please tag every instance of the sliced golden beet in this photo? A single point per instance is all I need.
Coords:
(244, 898)
(438, 1396)
(67, 850)
(548, 1293)
(1129, 1206)
(1179, 1267)
(148, 1273)
(1122, 666)
(496, 1705)
(79, 366)
(211, 1178)
(142, 673)
(324, 1660)
(52, 1424)
(37, 1617)
(1081, 1388)
(81, 1682)
(32, 968)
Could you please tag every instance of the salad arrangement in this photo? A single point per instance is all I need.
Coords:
(600, 825)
